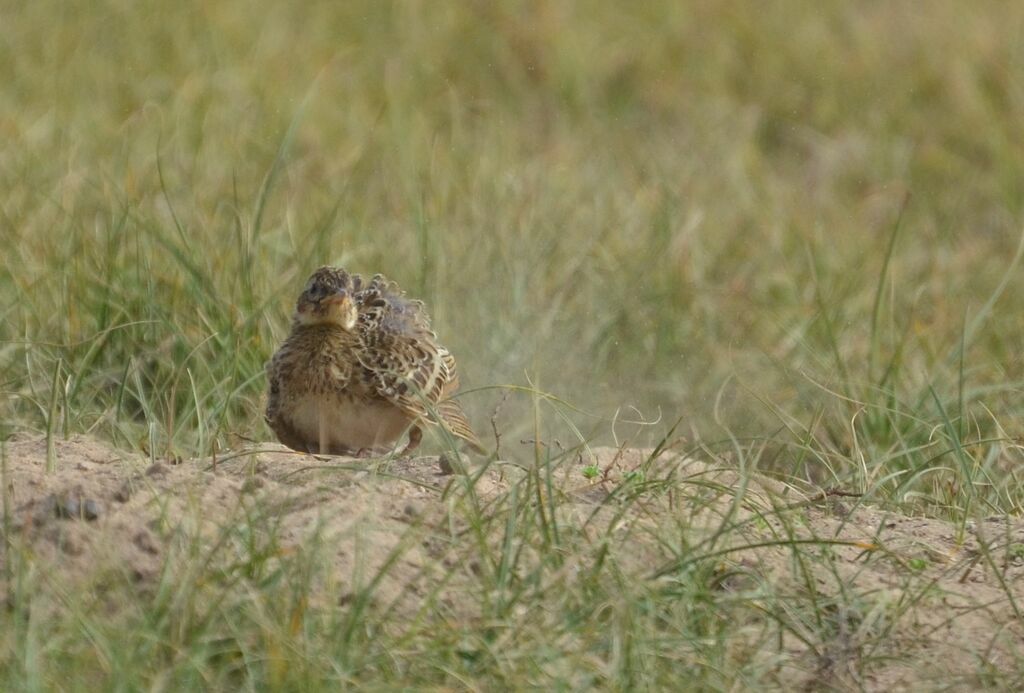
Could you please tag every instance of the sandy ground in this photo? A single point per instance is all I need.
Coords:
(932, 606)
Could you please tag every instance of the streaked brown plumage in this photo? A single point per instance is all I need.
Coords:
(360, 367)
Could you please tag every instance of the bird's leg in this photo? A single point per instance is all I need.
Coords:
(325, 442)
(415, 436)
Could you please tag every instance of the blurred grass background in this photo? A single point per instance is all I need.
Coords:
(682, 208)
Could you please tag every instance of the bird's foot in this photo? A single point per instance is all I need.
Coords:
(415, 437)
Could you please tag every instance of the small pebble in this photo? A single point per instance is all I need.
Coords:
(91, 510)
(69, 508)
(445, 463)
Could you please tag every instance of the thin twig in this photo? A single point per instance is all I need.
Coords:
(494, 425)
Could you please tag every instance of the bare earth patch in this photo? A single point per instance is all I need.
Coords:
(860, 597)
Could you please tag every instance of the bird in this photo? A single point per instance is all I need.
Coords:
(359, 368)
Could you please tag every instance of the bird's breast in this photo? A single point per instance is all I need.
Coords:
(341, 422)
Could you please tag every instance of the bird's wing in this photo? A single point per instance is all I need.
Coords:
(406, 365)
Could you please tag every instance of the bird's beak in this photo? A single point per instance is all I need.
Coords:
(339, 299)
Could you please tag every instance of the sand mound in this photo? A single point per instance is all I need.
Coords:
(936, 598)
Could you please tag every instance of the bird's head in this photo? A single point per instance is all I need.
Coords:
(327, 300)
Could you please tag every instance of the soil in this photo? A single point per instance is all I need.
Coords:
(938, 601)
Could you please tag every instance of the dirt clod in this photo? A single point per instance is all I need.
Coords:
(124, 493)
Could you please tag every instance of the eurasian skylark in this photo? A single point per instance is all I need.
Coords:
(360, 367)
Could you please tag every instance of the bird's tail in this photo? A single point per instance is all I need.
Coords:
(454, 420)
